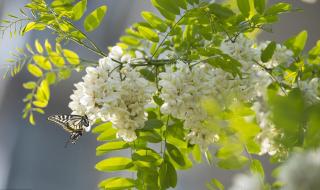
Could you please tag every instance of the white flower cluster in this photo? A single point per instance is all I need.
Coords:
(246, 182)
(301, 171)
(253, 86)
(118, 97)
(183, 88)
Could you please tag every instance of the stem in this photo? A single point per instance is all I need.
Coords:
(165, 137)
(272, 77)
(166, 36)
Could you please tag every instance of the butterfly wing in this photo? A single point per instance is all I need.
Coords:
(70, 123)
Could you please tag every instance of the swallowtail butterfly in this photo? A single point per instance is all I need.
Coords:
(74, 124)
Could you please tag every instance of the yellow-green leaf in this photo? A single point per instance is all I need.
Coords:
(114, 164)
(42, 62)
(29, 85)
(34, 70)
(148, 33)
(71, 57)
(111, 146)
(44, 87)
(117, 183)
(56, 59)
(154, 21)
(93, 20)
(31, 119)
(38, 46)
(40, 104)
(33, 26)
(79, 9)
(48, 46)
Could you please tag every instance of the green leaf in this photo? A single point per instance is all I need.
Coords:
(153, 124)
(196, 153)
(297, 43)
(130, 40)
(34, 70)
(29, 85)
(154, 21)
(146, 155)
(79, 9)
(216, 184)
(167, 5)
(111, 146)
(51, 78)
(114, 164)
(167, 176)
(150, 136)
(175, 154)
(148, 74)
(233, 162)
(182, 3)
(260, 5)
(33, 26)
(31, 119)
(40, 104)
(268, 52)
(244, 7)
(56, 59)
(44, 88)
(148, 33)
(117, 183)
(168, 15)
(102, 127)
(64, 74)
(38, 46)
(48, 46)
(229, 150)
(278, 8)
(312, 135)
(288, 116)
(93, 20)
(257, 168)
(42, 62)
(108, 134)
(71, 57)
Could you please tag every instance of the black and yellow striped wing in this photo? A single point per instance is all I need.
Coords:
(70, 123)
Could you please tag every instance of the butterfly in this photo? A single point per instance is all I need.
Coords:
(74, 124)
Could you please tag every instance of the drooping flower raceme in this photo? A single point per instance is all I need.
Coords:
(301, 172)
(113, 94)
(183, 88)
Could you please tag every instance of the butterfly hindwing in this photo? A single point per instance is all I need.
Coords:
(74, 124)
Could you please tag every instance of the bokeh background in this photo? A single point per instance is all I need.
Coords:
(33, 157)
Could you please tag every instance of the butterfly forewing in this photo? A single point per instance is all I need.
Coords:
(70, 123)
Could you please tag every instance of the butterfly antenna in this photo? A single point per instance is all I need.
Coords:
(67, 142)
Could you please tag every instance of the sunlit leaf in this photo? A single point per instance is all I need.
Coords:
(114, 164)
(79, 9)
(93, 20)
(34, 70)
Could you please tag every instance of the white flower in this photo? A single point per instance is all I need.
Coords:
(246, 182)
(310, 90)
(242, 50)
(301, 171)
(116, 52)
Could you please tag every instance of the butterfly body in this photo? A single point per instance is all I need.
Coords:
(74, 124)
